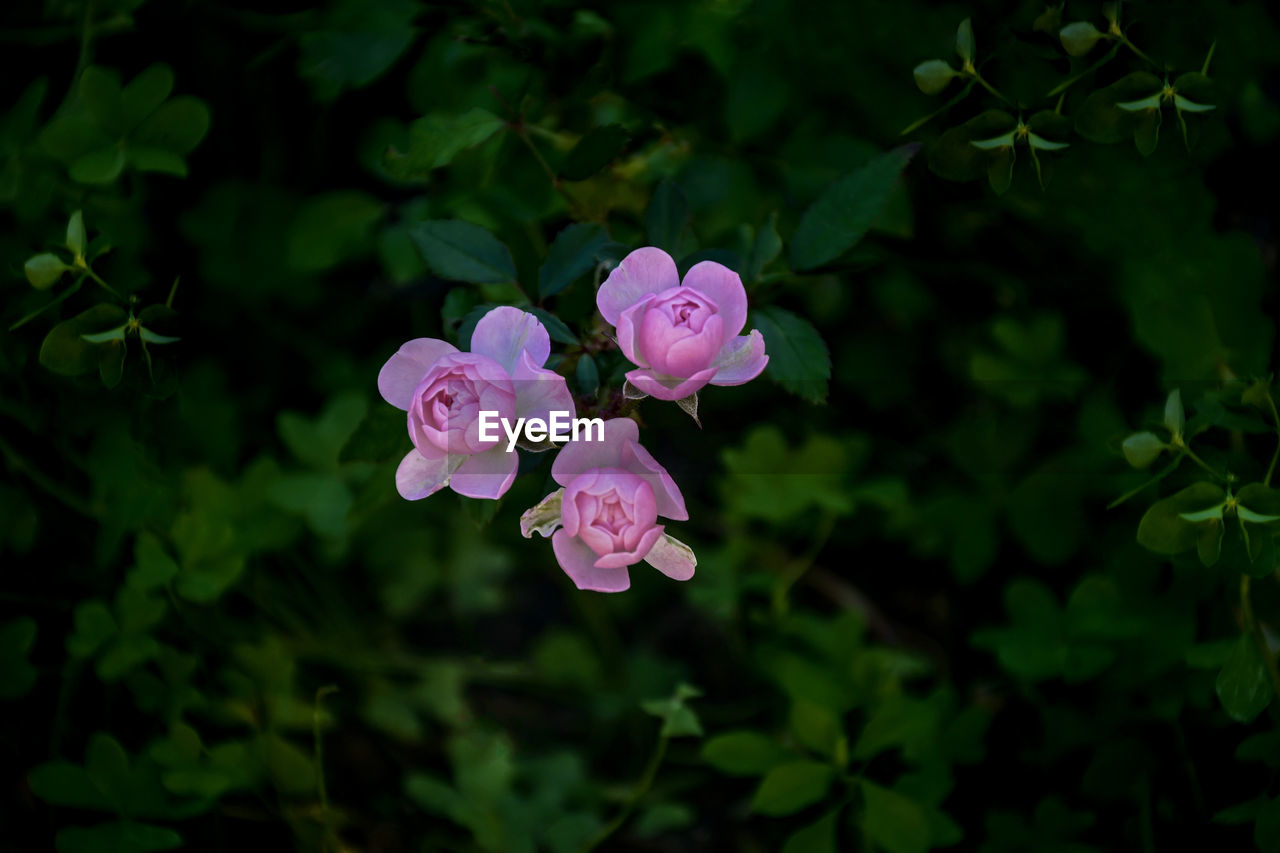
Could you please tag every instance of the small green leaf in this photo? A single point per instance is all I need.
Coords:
(790, 787)
(594, 151)
(932, 76)
(1152, 102)
(893, 821)
(798, 357)
(766, 247)
(1174, 416)
(841, 216)
(555, 327)
(149, 158)
(1079, 38)
(101, 166)
(572, 254)
(460, 251)
(1243, 685)
(76, 238)
(1191, 106)
(743, 753)
(1164, 530)
(116, 334)
(331, 228)
(817, 837)
(1142, 448)
(177, 126)
(1041, 144)
(145, 93)
(587, 374)
(436, 139)
(964, 40)
(94, 625)
(44, 270)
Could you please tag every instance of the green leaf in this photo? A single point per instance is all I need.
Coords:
(790, 787)
(572, 254)
(358, 43)
(94, 625)
(839, 219)
(331, 228)
(895, 822)
(76, 238)
(766, 247)
(817, 837)
(101, 95)
(815, 727)
(1174, 415)
(460, 251)
(555, 327)
(954, 158)
(587, 374)
(1142, 448)
(932, 76)
(678, 718)
(116, 334)
(1164, 530)
(743, 753)
(62, 783)
(145, 93)
(149, 158)
(1099, 119)
(594, 151)
(17, 675)
(1004, 141)
(153, 567)
(798, 357)
(101, 166)
(1243, 685)
(964, 40)
(436, 139)
(1079, 38)
(666, 217)
(118, 837)
(44, 270)
(177, 126)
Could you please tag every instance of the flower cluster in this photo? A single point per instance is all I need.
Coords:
(680, 335)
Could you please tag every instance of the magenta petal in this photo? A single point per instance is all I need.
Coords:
(539, 391)
(640, 462)
(505, 332)
(407, 367)
(486, 475)
(622, 559)
(671, 559)
(741, 360)
(668, 387)
(644, 271)
(578, 562)
(724, 287)
(578, 457)
(629, 332)
(419, 476)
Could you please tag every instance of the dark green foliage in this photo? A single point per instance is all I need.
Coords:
(986, 558)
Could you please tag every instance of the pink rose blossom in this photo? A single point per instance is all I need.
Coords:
(444, 390)
(608, 510)
(682, 335)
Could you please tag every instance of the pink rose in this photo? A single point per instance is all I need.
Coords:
(682, 335)
(444, 390)
(608, 510)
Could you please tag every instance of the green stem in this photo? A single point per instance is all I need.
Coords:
(1271, 469)
(920, 122)
(36, 313)
(98, 279)
(1125, 41)
(1191, 454)
(992, 89)
(797, 570)
(642, 788)
(1164, 472)
(1062, 87)
(1254, 631)
(47, 484)
(556, 183)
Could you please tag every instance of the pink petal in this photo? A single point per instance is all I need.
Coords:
(640, 462)
(668, 387)
(419, 476)
(629, 332)
(486, 475)
(407, 367)
(644, 271)
(505, 332)
(741, 360)
(580, 456)
(578, 562)
(725, 289)
(622, 559)
(671, 559)
(539, 391)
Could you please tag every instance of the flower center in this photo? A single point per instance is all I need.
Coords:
(612, 516)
